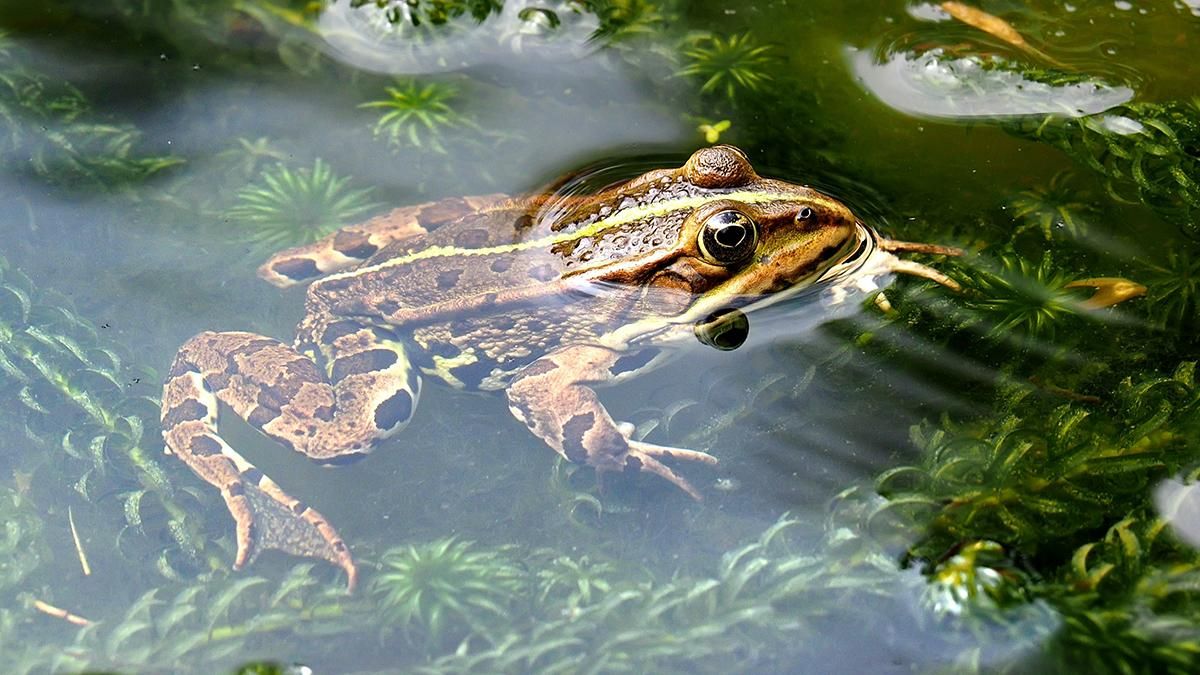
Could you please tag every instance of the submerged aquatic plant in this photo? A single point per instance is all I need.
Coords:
(624, 20)
(1019, 296)
(759, 598)
(1052, 208)
(416, 115)
(247, 156)
(573, 582)
(729, 65)
(1174, 289)
(1145, 151)
(67, 389)
(290, 207)
(445, 585)
(51, 130)
(1046, 472)
(207, 624)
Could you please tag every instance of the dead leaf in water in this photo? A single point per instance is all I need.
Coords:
(995, 26)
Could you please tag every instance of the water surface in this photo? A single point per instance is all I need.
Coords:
(989, 480)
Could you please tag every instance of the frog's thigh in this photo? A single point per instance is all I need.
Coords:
(369, 392)
(552, 397)
(282, 393)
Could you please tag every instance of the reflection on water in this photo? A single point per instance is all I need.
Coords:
(403, 38)
(997, 479)
(933, 85)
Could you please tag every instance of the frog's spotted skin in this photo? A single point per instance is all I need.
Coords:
(350, 246)
(368, 392)
(545, 299)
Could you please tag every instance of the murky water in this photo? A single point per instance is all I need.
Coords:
(999, 479)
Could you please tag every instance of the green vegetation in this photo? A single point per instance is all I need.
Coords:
(290, 207)
(64, 390)
(1011, 521)
(728, 65)
(416, 115)
(444, 582)
(1058, 206)
(51, 130)
(1144, 151)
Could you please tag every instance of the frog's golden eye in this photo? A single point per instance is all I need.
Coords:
(728, 238)
(804, 214)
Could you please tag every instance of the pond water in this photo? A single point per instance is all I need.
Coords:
(995, 479)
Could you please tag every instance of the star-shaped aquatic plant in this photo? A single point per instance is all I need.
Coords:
(443, 584)
(1174, 289)
(728, 65)
(1052, 208)
(290, 207)
(417, 115)
(246, 155)
(1017, 297)
(1020, 296)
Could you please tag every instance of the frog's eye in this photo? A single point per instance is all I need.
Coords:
(804, 215)
(728, 238)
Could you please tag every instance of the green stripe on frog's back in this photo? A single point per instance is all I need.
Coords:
(621, 217)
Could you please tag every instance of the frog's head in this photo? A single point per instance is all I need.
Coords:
(753, 236)
(730, 238)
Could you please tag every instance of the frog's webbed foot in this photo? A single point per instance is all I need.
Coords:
(264, 515)
(552, 397)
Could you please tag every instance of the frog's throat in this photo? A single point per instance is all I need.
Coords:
(623, 217)
(859, 249)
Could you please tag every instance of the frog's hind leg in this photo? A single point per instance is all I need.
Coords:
(282, 393)
(553, 398)
(351, 245)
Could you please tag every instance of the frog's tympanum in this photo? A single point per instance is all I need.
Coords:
(544, 299)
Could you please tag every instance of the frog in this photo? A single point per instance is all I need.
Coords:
(544, 298)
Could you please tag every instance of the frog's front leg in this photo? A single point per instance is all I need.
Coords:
(552, 397)
(368, 393)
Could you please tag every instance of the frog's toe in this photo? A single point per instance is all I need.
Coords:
(673, 453)
(243, 517)
(641, 461)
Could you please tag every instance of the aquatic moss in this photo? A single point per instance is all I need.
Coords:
(417, 115)
(1146, 152)
(65, 389)
(728, 65)
(52, 131)
(290, 207)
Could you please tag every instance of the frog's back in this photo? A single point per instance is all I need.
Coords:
(508, 243)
